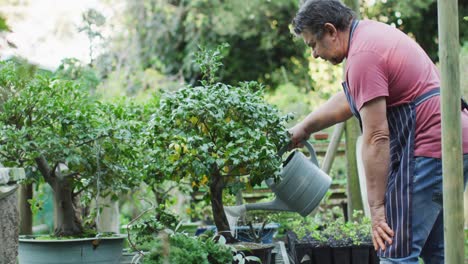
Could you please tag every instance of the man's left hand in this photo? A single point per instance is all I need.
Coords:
(381, 232)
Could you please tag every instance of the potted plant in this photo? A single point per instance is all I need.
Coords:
(218, 136)
(334, 241)
(62, 136)
(255, 227)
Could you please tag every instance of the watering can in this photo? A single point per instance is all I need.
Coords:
(301, 187)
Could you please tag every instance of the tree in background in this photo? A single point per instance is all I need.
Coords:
(417, 18)
(164, 35)
(5, 28)
(92, 21)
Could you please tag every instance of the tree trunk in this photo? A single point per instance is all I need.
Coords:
(68, 221)
(221, 222)
(25, 193)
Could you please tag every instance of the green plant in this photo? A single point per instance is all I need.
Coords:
(181, 248)
(73, 69)
(338, 233)
(361, 229)
(58, 132)
(218, 252)
(213, 134)
(334, 231)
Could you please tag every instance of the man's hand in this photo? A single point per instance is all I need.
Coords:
(381, 232)
(298, 133)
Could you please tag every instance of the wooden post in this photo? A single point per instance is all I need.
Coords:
(332, 147)
(351, 134)
(452, 158)
(353, 188)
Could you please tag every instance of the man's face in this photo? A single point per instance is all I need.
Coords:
(328, 47)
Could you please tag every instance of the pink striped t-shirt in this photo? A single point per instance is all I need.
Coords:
(383, 61)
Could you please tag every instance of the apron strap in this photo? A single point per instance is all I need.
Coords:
(436, 91)
(421, 99)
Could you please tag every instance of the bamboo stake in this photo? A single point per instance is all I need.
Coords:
(451, 131)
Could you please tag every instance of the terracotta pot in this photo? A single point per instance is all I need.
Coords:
(321, 136)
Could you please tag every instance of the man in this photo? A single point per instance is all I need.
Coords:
(392, 87)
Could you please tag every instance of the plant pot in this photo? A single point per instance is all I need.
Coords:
(342, 255)
(308, 252)
(321, 255)
(373, 258)
(360, 253)
(243, 233)
(321, 136)
(305, 253)
(302, 253)
(261, 251)
(70, 251)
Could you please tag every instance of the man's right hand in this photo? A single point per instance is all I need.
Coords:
(298, 133)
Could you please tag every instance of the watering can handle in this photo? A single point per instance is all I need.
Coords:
(313, 155)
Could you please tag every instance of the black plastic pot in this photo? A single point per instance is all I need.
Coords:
(321, 254)
(342, 255)
(373, 258)
(360, 253)
(308, 252)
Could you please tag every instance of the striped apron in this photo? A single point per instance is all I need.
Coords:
(402, 127)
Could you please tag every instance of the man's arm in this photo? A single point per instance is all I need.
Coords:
(334, 111)
(376, 158)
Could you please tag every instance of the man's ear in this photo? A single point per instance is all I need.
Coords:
(330, 29)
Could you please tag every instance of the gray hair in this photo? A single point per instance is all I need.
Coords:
(313, 15)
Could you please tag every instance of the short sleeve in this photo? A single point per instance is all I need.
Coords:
(367, 77)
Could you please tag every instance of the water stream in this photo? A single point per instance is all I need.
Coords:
(233, 213)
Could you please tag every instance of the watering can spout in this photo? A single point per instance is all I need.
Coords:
(239, 210)
(275, 205)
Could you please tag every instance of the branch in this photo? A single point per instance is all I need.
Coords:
(131, 222)
(164, 193)
(73, 174)
(44, 168)
(75, 194)
(212, 137)
(91, 140)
